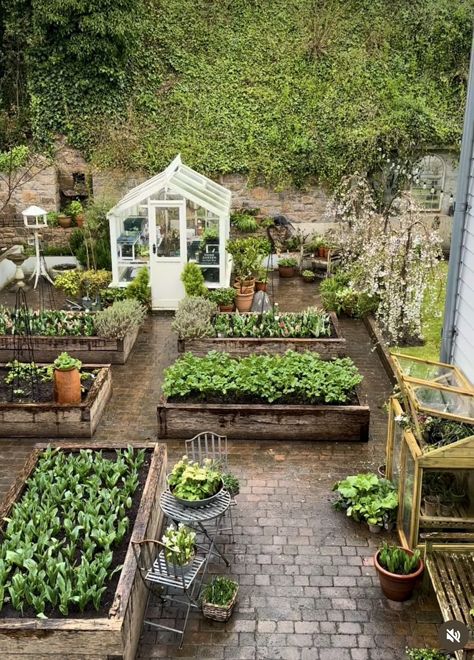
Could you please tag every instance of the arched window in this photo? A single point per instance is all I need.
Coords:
(428, 182)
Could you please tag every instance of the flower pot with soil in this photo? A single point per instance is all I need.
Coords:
(195, 485)
(67, 380)
(243, 301)
(219, 598)
(224, 298)
(64, 220)
(76, 212)
(179, 547)
(399, 569)
(308, 276)
(287, 267)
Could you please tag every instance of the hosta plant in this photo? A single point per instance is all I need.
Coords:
(191, 481)
(180, 544)
(57, 549)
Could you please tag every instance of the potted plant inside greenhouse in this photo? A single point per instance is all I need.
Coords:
(399, 570)
(219, 598)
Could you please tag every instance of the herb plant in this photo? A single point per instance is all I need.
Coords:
(57, 548)
(220, 591)
(271, 378)
(193, 318)
(191, 481)
(180, 544)
(426, 654)
(244, 222)
(119, 319)
(310, 323)
(222, 296)
(231, 483)
(288, 262)
(398, 561)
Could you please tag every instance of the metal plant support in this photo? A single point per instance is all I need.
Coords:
(23, 350)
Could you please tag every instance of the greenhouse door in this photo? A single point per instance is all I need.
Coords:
(167, 222)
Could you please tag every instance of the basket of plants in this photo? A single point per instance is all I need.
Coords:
(195, 485)
(399, 570)
(219, 598)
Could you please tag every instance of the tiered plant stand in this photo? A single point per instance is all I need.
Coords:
(114, 636)
(97, 350)
(327, 347)
(52, 420)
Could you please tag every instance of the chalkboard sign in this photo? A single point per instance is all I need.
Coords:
(209, 258)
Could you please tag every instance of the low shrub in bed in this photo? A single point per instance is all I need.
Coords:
(288, 378)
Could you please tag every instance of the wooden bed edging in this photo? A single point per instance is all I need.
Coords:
(98, 638)
(381, 347)
(98, 350)
(265, 421)
(51, 420)
(327, 347)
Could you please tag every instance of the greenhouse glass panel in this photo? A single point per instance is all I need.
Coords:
(430, 371)
(407, 504)
(397, 449)
(443, 401)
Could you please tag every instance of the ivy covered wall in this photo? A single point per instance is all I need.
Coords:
(279, 89)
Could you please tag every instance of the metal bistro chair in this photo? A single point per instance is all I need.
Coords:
(162, 578)
(211, 445)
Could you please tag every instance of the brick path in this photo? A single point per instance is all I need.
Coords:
(307, 589)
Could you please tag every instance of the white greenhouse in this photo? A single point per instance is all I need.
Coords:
(173, 218)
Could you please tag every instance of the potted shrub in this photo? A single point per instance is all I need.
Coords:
(399, 569)
(179, 548)
(76, 211)
(64, 220)
(193, 484)
(193, 280)
(287, 267)
(247, 254)
(224, 298)
(219, 597)
(308, 276)
(261, 279)
(67, 379)
(323, 248)
(52, 218)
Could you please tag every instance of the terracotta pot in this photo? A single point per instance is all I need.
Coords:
(67, 386)
(243, 301)
(286, 271)
(80, 220)
(323, 252)
(64, 221)
(244, 286)
(397, 587)
(260, 286)
(226, 308)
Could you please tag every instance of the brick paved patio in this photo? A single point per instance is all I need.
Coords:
(307, 587)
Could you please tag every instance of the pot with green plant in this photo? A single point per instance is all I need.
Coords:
(287, 267)
(67, 379)
(179, 547)
(195, 485)
(308, 276)
(219, 597)
(261, 279)
(224, 298)
(64, 220)
(323, 248)
(399, 569)
(76, 211)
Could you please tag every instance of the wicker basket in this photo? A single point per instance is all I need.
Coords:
(219, 612)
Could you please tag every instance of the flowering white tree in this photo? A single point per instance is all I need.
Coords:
(390, 258)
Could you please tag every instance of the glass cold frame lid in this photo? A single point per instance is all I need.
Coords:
(430, 371)
(446, 401)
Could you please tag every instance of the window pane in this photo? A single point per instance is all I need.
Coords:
(167, 232)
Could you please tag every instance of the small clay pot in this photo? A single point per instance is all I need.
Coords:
(446, 509)
(226, 308)
(64, 221)
(323, 252)
(244, 286)
(243, 301)
(286, 271)
(80, 220)
(260, 286)
(67, 386)
(397, 587)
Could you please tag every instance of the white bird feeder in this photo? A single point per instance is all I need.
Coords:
(35, 217)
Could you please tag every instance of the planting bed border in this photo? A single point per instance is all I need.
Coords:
(100, 638)
(265, 421)
(327, 347)
(52, 420)
(98, 350)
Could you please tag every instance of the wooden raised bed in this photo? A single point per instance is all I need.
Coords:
(96, 350)
(117, 635)
(327, 347)
(51, 420)
(258, 421)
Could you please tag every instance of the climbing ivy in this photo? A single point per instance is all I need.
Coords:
(282, 89)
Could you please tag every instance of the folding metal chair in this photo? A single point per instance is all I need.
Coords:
(208, 444)
(161, 578)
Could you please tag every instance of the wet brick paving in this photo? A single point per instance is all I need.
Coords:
(308, 589)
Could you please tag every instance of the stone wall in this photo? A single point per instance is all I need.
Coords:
(51, 237)
(41, 189)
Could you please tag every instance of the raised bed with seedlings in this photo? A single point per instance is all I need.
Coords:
(68, 578)
(294, 396)
(105, 337)
(30, 400)
(200, 330)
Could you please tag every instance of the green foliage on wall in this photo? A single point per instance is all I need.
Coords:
(279, 88)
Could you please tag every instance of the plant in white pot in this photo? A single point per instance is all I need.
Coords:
(179, 548)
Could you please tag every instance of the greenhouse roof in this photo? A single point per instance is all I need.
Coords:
(181, 179)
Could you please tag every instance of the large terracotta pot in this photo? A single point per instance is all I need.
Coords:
(244, 286)
(64, 221)
(67, 386)
(286, 271)
(397, 587)
(243, 301)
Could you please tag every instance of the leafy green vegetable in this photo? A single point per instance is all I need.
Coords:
(367, 497)
(270, 378)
